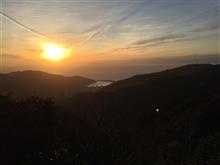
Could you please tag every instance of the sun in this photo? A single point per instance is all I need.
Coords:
(55, 52)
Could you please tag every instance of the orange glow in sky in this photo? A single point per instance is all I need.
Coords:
(55, 52)
(107, 38)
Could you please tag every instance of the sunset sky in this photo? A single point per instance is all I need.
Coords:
(109, 38)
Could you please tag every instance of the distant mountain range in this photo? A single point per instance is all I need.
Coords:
(27, 83)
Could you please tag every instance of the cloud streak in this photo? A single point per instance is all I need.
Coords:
(169, 37)
(99, 29)
(208, 27)
(157, 42)
(21, 25)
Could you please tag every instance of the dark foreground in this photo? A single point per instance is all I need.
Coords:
(166, 118)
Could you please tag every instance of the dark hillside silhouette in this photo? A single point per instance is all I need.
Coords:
(42, 84)
(188, 73)
(165, 118)
(188, 100)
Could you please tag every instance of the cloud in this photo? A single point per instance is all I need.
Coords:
(92, 29)
(207, 27)
(101, 28)
(157, 41)
(169, 37)
(21, 25)
(96, 32)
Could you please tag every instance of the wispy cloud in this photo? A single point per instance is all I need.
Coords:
(96, 30)
(23, 26)
(207, 27)
(159, 39)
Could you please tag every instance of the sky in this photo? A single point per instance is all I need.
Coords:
(109, 39)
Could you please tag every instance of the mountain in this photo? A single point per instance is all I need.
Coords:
(164, 118)
(27, 83)
(187, 73)
(170, 117)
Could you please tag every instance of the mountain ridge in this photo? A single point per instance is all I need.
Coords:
(164, 118)
(42, 84)
(143, 78)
